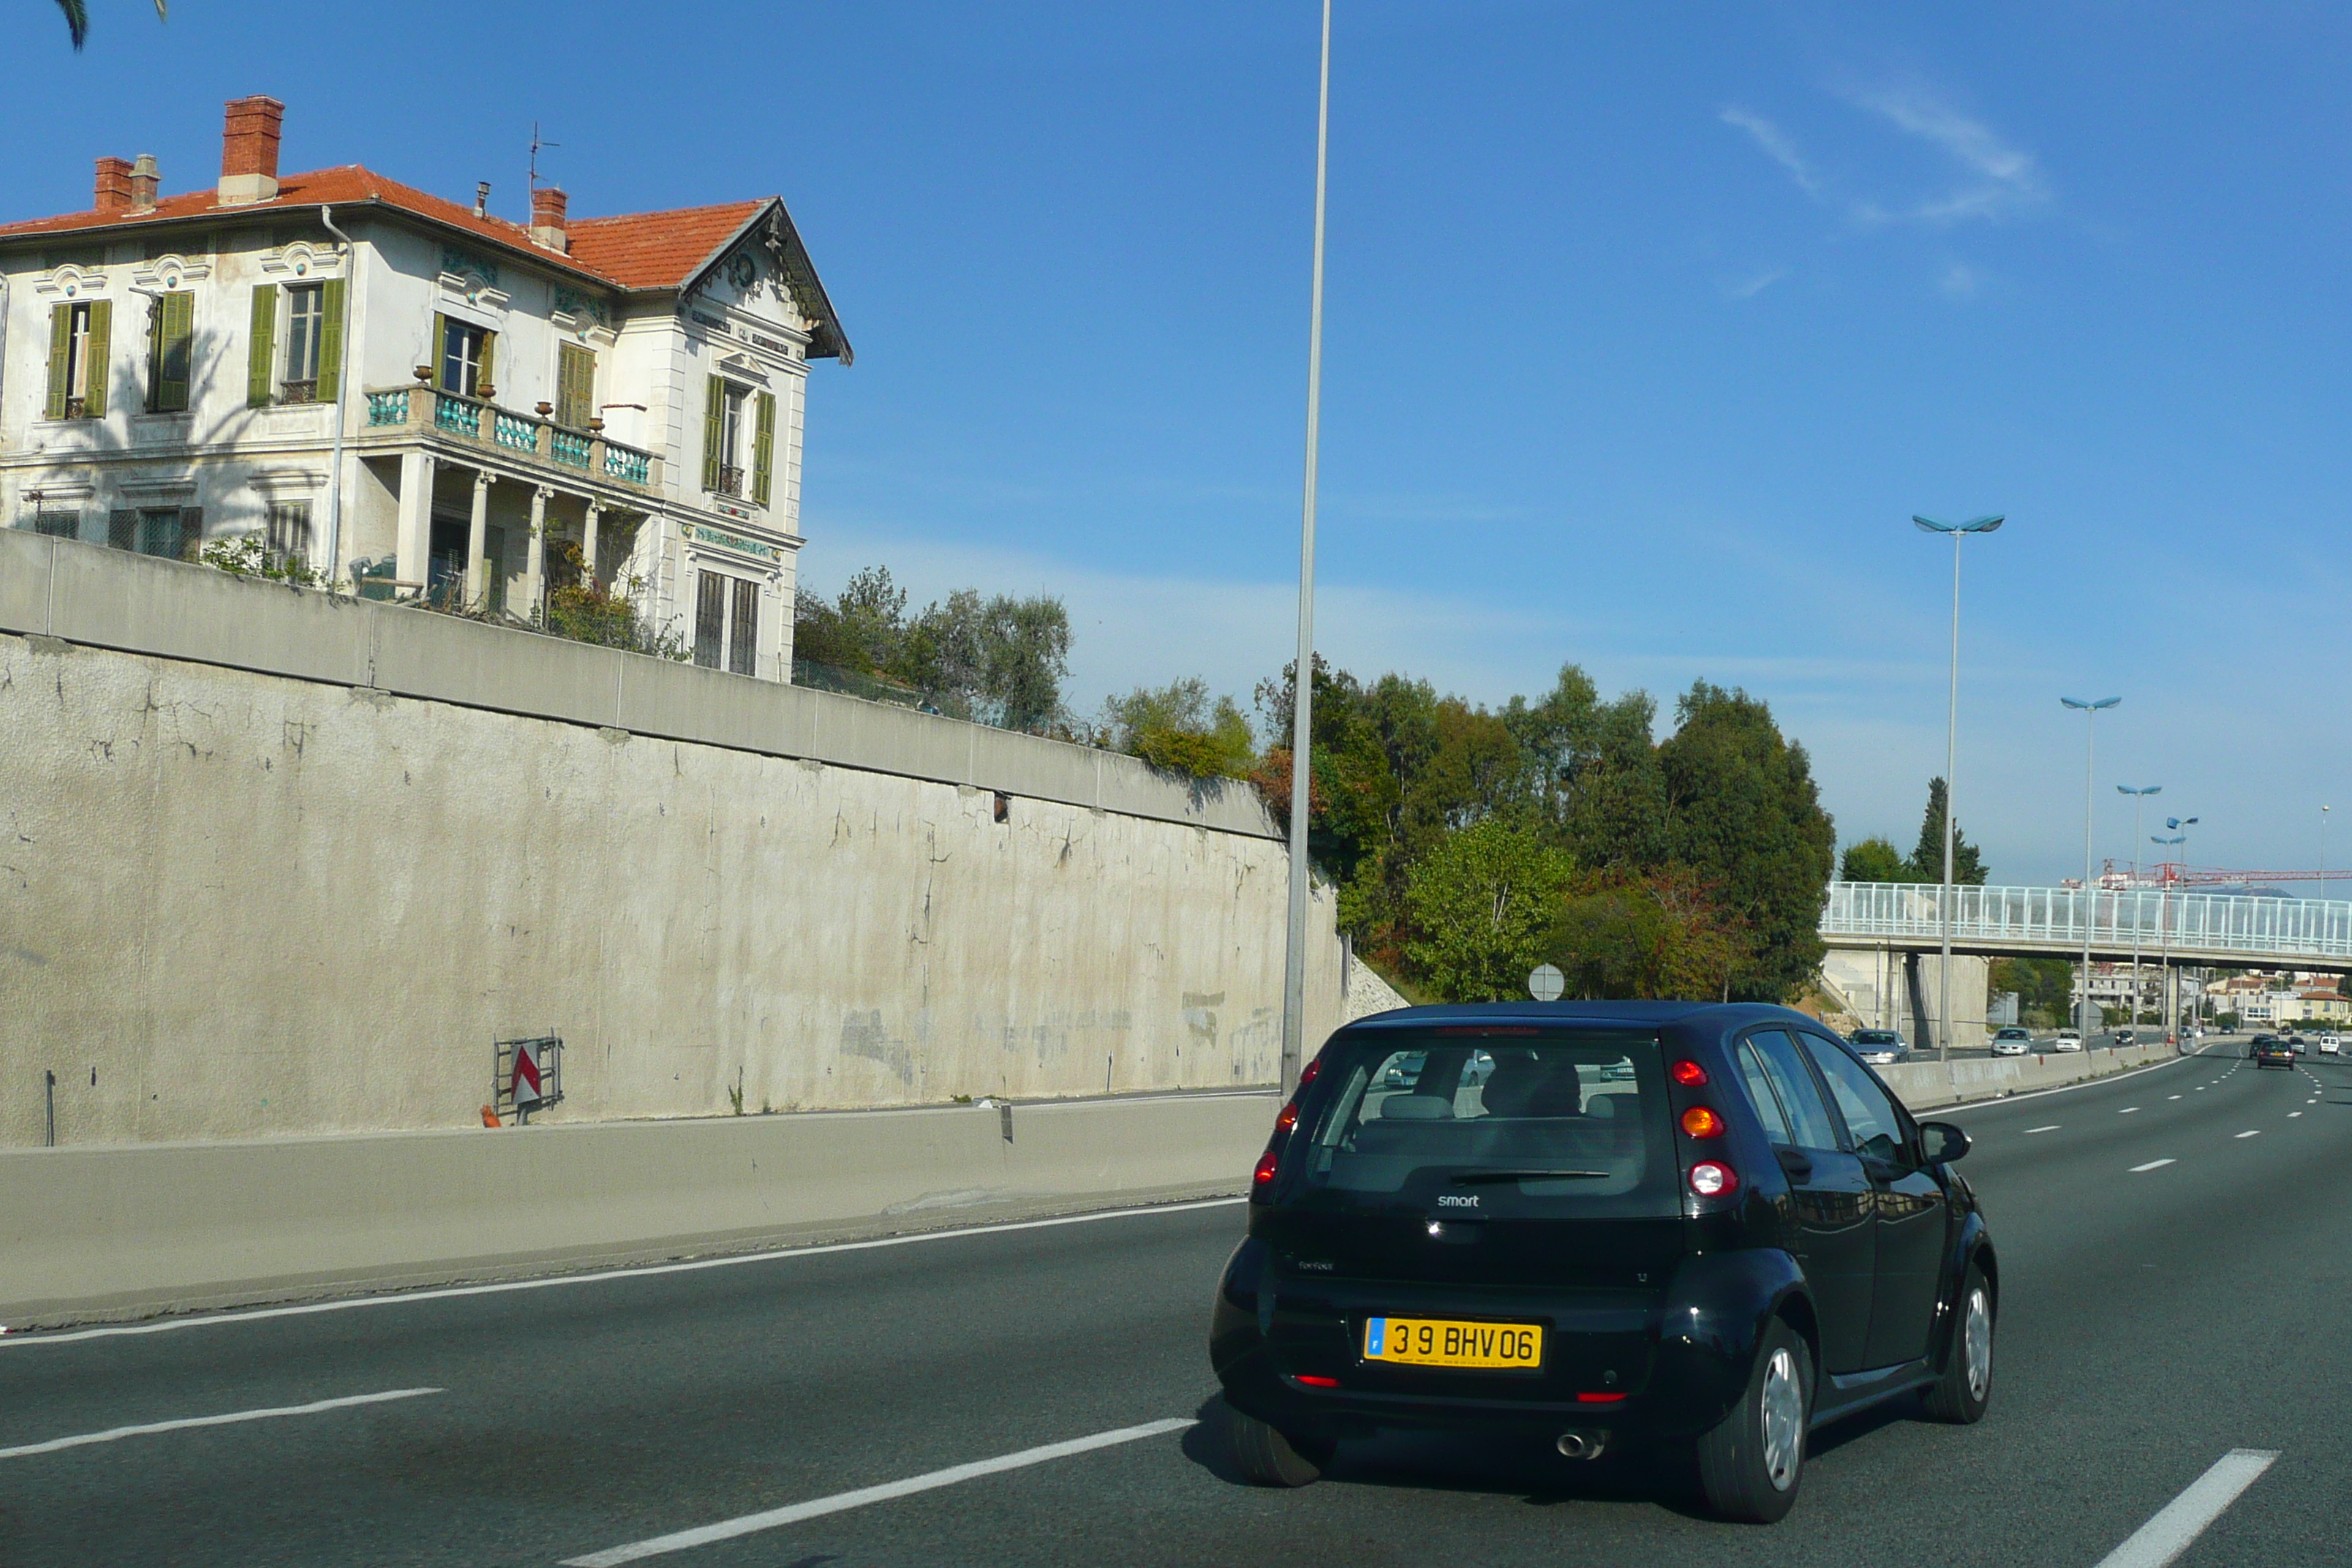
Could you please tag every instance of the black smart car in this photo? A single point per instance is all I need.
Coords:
(1672, 1227)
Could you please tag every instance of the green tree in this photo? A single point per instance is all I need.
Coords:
(2044, 986)
(1874, 859)
(1179, 728)
(1927, 858)
(77, 15)
(1622, 937)
(1480, 904)
(1747, 818)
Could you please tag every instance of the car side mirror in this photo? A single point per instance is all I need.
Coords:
(1940, 1142)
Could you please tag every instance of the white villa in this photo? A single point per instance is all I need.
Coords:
(417, 396)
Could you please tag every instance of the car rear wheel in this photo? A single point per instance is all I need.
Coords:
(1268, 1458)
(1961, 1394)
(1750, 1463)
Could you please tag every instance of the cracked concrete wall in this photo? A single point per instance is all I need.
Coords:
(235, 904)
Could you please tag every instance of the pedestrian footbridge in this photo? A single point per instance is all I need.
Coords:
(2151, 922)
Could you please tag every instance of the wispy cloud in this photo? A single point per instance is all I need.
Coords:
(1748, 288)
(2001, 178)
(1777, 145)
(1959, 281)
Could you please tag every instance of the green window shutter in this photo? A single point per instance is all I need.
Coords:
(101, 320)
(331, 341)
(122, 532)
(261, 364)
(61, 357)
(764, 448)
(192, 534)
(440, 351)
(484, 383)
(175, 319)
(714, 411)
(154, 355)
(576, 385)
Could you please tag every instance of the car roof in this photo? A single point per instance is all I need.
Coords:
(1721, 1018)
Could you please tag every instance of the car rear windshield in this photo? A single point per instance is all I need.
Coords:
(1876, 1037)
(1537, 1122)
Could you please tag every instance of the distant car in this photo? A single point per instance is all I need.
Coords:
(2254, 1047)
(2012, 1041)
(1880, 1047)
(2329, 1045)
(2127, 1037)
(2067, 1040)
(2273, 1053)
(2296, 1044)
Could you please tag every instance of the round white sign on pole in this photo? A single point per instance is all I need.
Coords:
(1545, 983)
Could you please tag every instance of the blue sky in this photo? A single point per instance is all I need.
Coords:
(1649, 327)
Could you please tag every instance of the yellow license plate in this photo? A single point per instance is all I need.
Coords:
(1443, 1341)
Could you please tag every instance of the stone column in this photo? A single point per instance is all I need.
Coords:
(477, 538)
(535, 570)
(413, 550)
(589, 528)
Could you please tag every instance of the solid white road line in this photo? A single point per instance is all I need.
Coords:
(2032, 1131)
(726, 1530)
(2151, 1166)
(2185, 1518)
(2252, 1132)
(774, 1255)
(117, 1434)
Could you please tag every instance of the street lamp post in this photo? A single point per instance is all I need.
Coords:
(2139, 804)
(2090, 712)
(2181, 825)
(1951, 783)
(2163, 931)
(1302, 709)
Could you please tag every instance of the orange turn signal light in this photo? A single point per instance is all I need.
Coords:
(1701, 1122)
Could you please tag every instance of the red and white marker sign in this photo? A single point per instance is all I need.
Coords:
(525, 1082)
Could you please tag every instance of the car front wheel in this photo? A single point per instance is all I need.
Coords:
(1961, 1394)
(1750, 1464)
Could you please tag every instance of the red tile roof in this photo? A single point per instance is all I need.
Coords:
(657, 250)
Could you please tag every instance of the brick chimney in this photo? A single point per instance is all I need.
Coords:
(143, 182)
(113, 185)
(249, 150)
(547, 207)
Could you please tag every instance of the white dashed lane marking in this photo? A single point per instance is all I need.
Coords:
(2126, 1110)
(2180, 1522)
(2152, 1165)
(2252, 1132)
(2032, 1131)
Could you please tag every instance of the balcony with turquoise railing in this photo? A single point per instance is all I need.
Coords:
(536, 437)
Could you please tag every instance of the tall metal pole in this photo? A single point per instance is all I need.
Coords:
(1302, 707)
(2139, 806)
(1951, 757)
(2090, 712)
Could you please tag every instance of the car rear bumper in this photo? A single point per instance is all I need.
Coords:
(1657, 1363)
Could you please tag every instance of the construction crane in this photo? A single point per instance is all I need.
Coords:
(2173, 874)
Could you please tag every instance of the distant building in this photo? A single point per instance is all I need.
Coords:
(449, 404)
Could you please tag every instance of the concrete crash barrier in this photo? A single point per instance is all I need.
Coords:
(97, 1234)
(1924, 1085)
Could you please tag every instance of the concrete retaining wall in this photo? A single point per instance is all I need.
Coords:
(1925, 1085)
(274, 863)
(115, 1233)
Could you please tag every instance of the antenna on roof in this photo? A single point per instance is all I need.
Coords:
(535, 145)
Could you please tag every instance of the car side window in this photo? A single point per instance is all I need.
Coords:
(1870, 1116)
(1808, 1119)
(1761, 1098)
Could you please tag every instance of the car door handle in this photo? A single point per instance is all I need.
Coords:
(1797, 1167)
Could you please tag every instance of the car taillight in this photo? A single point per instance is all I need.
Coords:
(1288, 1119)
(1688, 1074)
(1708, 1179)
(1307, 1074)
(1266, 1165)
(1701, 1122)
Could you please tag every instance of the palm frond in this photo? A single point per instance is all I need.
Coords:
(77, 20)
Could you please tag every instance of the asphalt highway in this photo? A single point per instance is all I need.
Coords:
(2177, 1251)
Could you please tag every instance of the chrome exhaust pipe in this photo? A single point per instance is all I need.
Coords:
(1581, 1445)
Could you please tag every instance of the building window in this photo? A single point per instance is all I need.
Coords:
(58, 524)
(743, 629)
(171, 532)
(576, 385)
(289, 529)
(730, 441)
(171, 335)
(306, 321)
(77, 359)
(464, 358)
(727, 623)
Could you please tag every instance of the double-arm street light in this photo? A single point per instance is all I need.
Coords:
(2139, 804)
(2090, 712)
(2172, 989)
(1951, 784)
(1302, 705)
